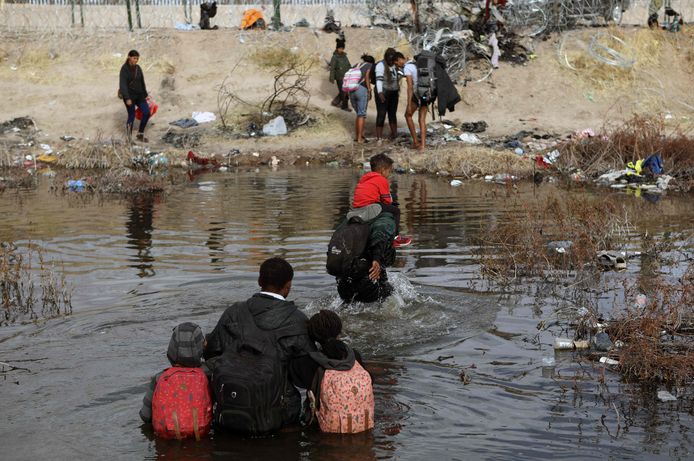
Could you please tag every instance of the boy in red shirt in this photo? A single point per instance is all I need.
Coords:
(373, 188)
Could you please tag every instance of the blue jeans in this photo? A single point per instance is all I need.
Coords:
(144, 107)
(360, 99)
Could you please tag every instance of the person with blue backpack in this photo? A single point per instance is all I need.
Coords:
(357, 82)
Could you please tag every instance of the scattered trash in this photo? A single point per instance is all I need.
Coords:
(223, 169)
(303, 22)
(474, 127)
(608, 361)
(275, 127)
(17, 124)
(563, 343)
(47, 158)
(333, 164)
(202, 161)
(456, 183)
(274, 161)
(665, 396)
(157, 160)
(185, 26)
(548, 367)
(503, 178)
(182, 140)
(518, 151)
(602, 342)
(470, 138)
(583, 134)
(76, 185)
(641, 300)
(663, 181)
(185, 123)
(609, 260)
(204, 117)
(366, 166)
(67, 138)
(46, 148)
(560, 246)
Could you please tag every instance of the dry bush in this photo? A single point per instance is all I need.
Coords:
(273, 58)
(658, 337)
(31, 287)
(637, 138)
(128, 182)
(519, 246)
(470, 162)
(96, 154)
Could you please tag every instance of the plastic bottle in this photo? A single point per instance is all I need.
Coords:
(548, 366)
(563, 343)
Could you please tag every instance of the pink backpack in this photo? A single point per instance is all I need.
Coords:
(352, 79)
(181, 405)
(346, 401)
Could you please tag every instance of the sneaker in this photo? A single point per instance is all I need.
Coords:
(141, 137)
(401, 241)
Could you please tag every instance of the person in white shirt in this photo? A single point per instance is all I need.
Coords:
(414, 104)
(387, 93)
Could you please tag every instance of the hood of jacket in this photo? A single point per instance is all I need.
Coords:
(327, 363)
(271, 313)
(186, 345)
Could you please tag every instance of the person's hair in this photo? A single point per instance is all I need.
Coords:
(368, 58)
(339, 43)
(324, 325)
(275, 273)
(388, 61)
(334, 349)
(132, 53)
(380, 162)
(398, 55)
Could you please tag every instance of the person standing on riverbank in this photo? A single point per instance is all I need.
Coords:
(387, 93)
(361, 96)
(339, 64)
(133, 91)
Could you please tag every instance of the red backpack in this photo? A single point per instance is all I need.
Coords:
(181, 405)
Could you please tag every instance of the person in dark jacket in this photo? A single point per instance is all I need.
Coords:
(369, 280)
(271, 311)
(339, 64)
(185, 350)
(133, 90)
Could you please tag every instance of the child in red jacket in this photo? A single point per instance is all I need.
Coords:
(373, 188)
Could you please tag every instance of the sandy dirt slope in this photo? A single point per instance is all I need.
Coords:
(68, 84)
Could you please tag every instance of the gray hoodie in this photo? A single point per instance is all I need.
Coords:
(185, 350)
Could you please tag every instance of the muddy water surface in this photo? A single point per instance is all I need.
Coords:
(142, 265)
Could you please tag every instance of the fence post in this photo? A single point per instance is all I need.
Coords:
(82, 13)
(137, 14)
(72, 8)
(276, 17)
(130, 15)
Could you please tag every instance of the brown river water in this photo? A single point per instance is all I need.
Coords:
(141, 265)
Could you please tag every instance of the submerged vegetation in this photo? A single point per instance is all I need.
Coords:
(565, 247)
(31, 287)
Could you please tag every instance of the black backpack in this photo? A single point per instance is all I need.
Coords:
(426, 77)
(249, 382)
(346, 245)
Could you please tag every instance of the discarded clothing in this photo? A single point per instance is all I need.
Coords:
(196, 159)
(204, 117)
(252, 19)
(474, 127)
(185, 123)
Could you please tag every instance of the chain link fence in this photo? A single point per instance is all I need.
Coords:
(63, 15)
(48, 16)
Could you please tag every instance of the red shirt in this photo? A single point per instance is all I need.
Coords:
(372, 188)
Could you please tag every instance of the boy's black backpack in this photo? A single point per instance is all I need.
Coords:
(426, 78)
(346, 245)
(249, 383)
